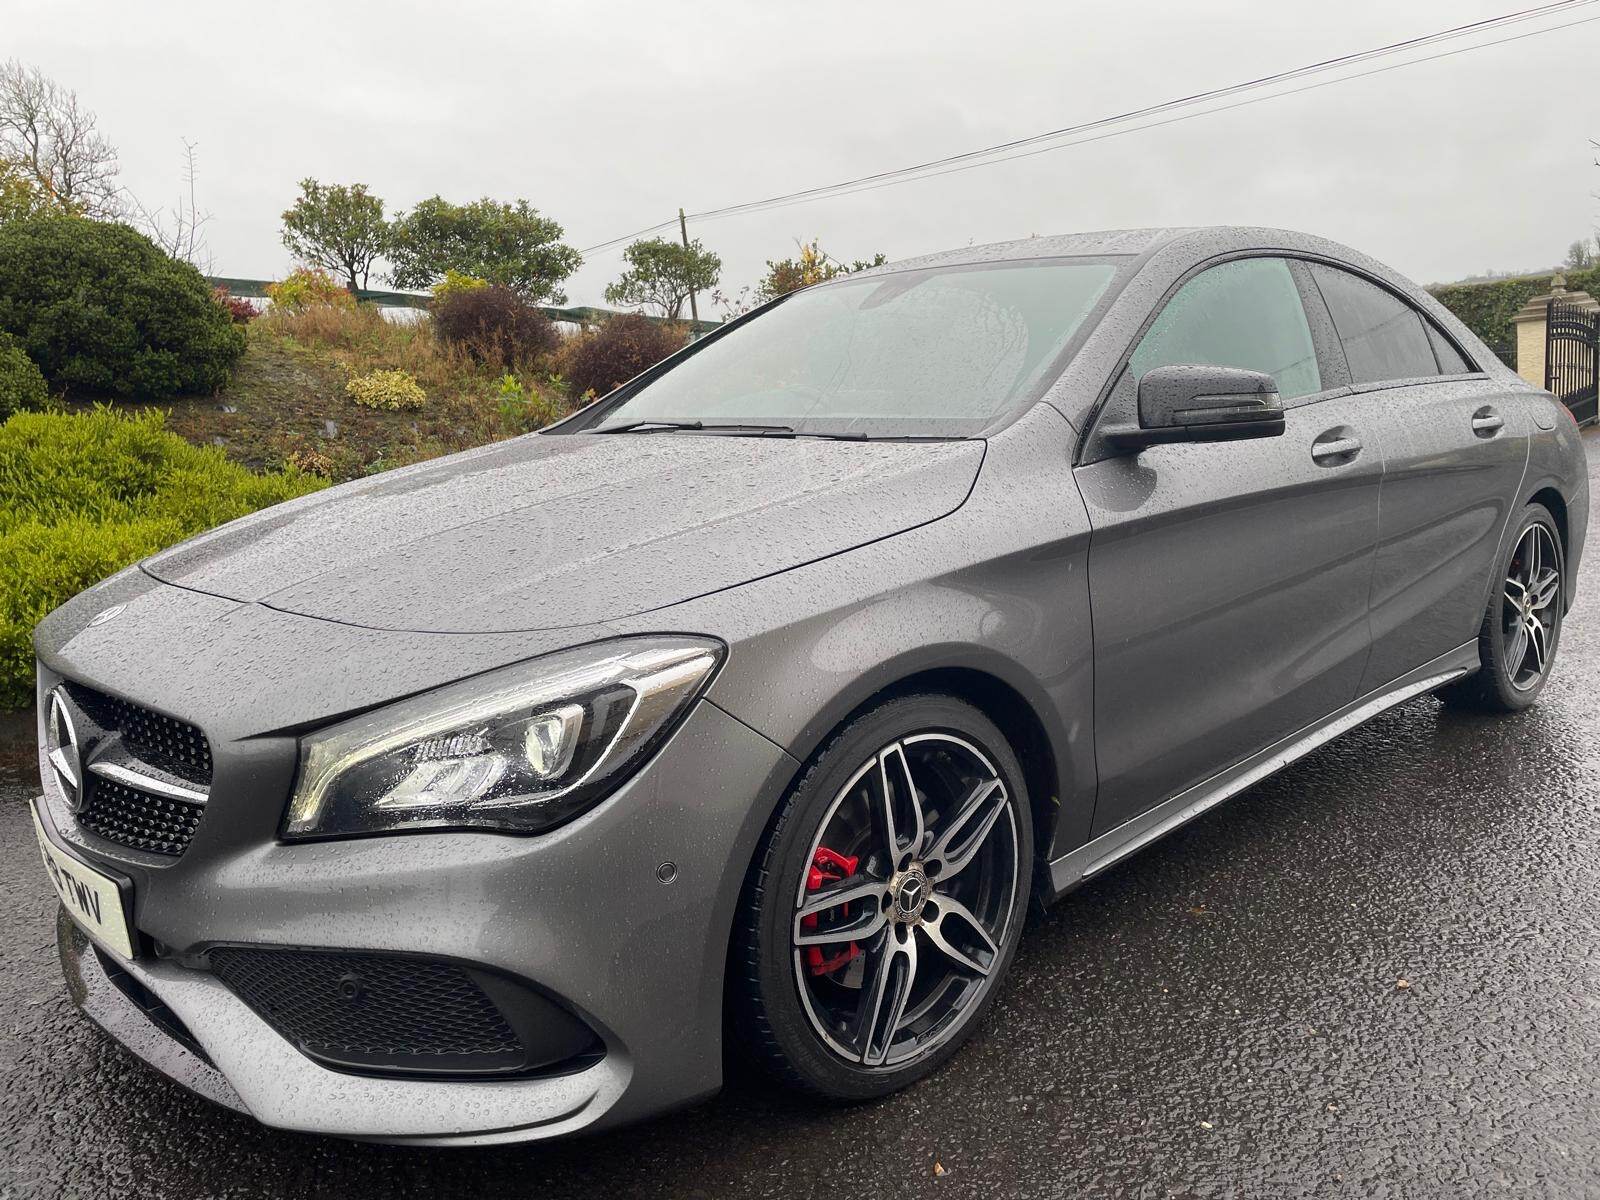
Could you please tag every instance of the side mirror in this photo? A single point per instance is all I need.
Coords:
(1201, 403)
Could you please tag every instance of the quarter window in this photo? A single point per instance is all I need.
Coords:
(1243, 314)
(1451, 361)
(1383, 337)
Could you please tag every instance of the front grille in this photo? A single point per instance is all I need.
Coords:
(163, 742)
(145, 775)
(138, 819)
(373, 1010)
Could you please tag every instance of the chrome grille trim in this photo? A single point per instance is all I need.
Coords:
(139, 781)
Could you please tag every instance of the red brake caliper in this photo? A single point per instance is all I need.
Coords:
(828, 866)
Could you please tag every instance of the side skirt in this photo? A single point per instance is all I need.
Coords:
(1111, 847)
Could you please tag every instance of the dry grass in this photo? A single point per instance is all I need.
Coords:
(360, 340)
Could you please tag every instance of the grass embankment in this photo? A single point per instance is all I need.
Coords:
(88, 489)
(287, 404)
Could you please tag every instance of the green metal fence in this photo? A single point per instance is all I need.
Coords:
(583, 315)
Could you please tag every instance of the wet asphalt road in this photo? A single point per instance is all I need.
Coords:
(1221, 1016)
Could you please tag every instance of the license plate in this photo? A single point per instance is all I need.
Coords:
(92, 897)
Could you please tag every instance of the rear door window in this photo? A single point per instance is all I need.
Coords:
(1384, 338)
(1245, 313)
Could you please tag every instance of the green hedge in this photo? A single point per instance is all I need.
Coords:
(1487, 308)
(83, 495)
(99, 307)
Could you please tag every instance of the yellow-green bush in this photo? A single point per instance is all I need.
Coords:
(83, 495)
(305, 288)
(386, 389)
(454, 283)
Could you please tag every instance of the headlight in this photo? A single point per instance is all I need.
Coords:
(521, 749)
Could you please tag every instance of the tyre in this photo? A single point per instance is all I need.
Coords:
(1522, 626)
(885, 903)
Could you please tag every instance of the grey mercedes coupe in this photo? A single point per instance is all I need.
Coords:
(750, 707)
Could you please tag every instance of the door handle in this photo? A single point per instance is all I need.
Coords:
(1486, 422)
(1330, 451)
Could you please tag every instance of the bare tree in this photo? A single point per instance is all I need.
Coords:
(181, 233)
(45, 131)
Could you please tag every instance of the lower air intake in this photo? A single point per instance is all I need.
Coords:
(399, 1014)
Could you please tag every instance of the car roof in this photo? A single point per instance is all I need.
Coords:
(1201, 240)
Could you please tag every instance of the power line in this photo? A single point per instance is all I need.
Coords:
(1183, 102)
(1173, 120)
(1028, 146)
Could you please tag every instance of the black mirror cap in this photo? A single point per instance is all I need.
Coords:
(1198, 402)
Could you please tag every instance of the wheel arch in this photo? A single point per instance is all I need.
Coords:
(1001, 691)
(1018, 723)
(1550, 496)
(1552, 499)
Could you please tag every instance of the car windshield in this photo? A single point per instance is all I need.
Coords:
(937, 352)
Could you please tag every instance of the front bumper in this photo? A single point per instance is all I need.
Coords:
(582, 913)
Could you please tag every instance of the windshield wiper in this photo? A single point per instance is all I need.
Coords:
(702, 426)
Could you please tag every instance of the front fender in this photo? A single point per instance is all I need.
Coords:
(999, 588)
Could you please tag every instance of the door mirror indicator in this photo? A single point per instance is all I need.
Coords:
(1202, 403)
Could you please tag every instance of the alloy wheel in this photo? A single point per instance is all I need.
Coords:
(1532, 611)
(907, 901)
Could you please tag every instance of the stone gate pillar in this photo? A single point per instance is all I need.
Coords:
(1530, 322)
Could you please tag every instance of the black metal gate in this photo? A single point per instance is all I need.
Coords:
(1572, 358)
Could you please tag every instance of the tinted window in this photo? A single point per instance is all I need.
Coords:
(1240, 314)
(940, 351)
(1383, 336)
(1451, 361)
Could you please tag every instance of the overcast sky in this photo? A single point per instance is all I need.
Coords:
(609, 116)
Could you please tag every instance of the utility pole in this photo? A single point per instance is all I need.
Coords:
(683, 228)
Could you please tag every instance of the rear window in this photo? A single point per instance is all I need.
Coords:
(1383, 337)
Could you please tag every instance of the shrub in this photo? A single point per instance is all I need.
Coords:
(495, 326)
(240, 311)
(812, 265)
(83, 495)
(99, 306)
(21, 384)
(454, 283)
(604, 358)
(306, 288)
(525, 409)
(386, 389)
(311, 462)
